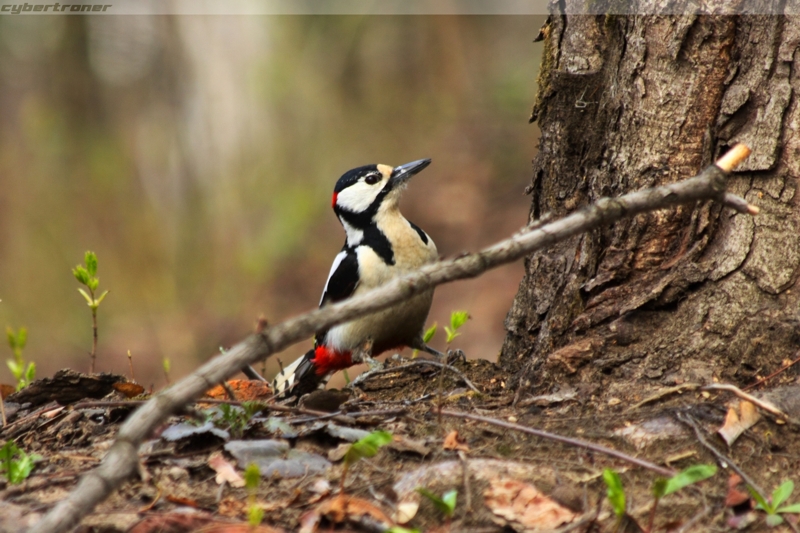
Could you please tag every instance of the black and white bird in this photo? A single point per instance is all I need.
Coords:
(380, 245)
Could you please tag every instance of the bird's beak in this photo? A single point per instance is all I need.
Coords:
(403, 173)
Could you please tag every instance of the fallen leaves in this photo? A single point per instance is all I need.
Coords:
(521, 505)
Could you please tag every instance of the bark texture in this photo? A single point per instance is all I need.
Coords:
(691, 293)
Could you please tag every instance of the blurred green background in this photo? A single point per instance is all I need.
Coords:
(196, 155)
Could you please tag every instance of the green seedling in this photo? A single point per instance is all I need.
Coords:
(238, 418)
(446, 504)
(691, 475)
(252, 478)
(87, 275)
(775, 508)
(15, 464)
(426, 338)
(24, 374)
(166, 365)
(662, 487)
(457, 319)
(363, 448)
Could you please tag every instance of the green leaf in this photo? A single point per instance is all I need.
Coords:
(659, 486)
(90, 258)
(398, 529)
(167, 365)
(101, 297)
(86, 296)
(12, 339)
(429, 333)
(255, 515)
(93, 283)
(761, 503)
(773, 520)
(782, 493)
(793, 508)
(446, 504)
(689, 476)
(368, 446)
(451, 334)
(458, 319)
(449, 499)
(81, 274)
(22, 338)
(16, 368)
(252, 476)
(616, 494)
(30, 372)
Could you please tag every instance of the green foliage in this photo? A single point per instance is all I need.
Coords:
(367, 447)
(446, 504)
(457, 319)
(252, 478)
(689, 476)
(236, 418)
(15, 464)
(399, 529)
(616, 493)
(429, 333)
(775, 509)
(87, 275)
(24, 374)
(426, 338)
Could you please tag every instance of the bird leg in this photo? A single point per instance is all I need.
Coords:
(363, 354)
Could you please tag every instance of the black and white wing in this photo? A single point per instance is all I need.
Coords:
(342, 279)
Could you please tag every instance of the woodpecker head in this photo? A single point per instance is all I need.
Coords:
(361, 192)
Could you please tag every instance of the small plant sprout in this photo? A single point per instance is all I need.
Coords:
(446, 504)
(252, 478)
(24, 374)
(15, 464)
(238, 418)
(426, 338)
(457, 319)
(166, 365)
(775, 508)
(682, 479)
(87, 275)
(362, 448)
(615, 493)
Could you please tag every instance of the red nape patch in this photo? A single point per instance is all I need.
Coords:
(327, 360)
(333, 202)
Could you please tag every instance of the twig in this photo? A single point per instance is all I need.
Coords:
(766, 406)
(422, 362)
(723, 460)
(665, 392)
(121, 460)
(566, 440)
(777, 372)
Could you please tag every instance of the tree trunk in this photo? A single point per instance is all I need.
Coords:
(690, 294)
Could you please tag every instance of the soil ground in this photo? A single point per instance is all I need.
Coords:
(513, 481)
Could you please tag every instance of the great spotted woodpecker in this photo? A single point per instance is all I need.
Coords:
(381, 245)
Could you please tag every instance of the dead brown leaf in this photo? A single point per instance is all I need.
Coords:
(128, 388)
(453, 442)
(738, 420)
(516, 503)
(226, 472)
(343, 509)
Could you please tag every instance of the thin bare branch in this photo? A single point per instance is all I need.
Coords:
(121, 460)
(566, 440)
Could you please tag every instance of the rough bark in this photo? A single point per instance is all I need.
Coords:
(691, 293)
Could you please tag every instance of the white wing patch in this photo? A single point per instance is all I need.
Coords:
(336, 262)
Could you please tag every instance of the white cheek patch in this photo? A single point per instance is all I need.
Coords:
(358, 197)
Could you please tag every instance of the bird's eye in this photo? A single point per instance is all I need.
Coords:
(372, 179)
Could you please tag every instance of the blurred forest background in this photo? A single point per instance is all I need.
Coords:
(197, 155)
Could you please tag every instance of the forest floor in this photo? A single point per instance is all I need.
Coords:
(505, 480)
